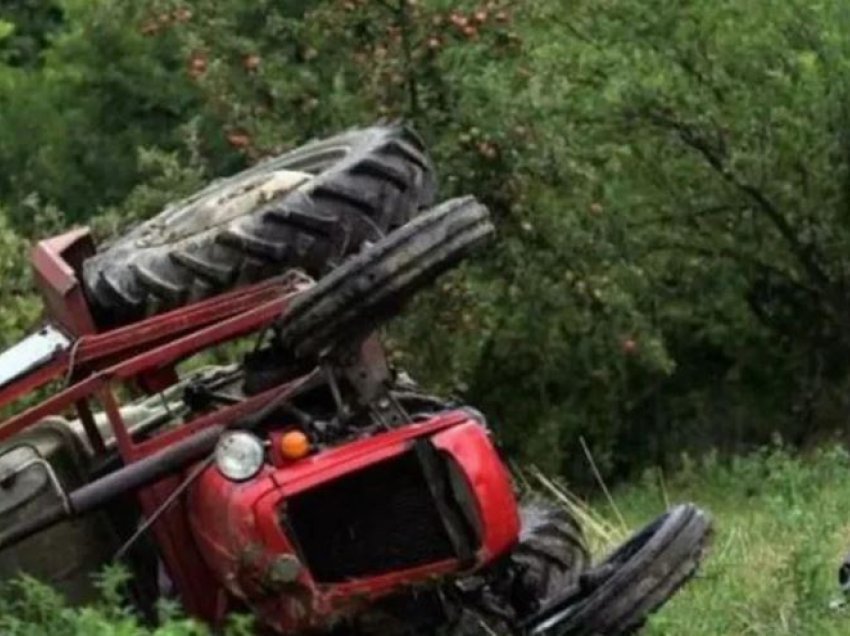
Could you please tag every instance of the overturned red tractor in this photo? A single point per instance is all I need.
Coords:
(304, 480)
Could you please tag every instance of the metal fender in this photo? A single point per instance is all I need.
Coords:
(469, 444)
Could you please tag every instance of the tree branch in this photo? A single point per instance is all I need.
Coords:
(734, 255)
(694, 215)
(406, 26)
(691, 138)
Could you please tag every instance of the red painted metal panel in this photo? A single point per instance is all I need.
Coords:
(141, 336)
(227, 534)
(240, 531)
(150, 346)
(119, 428)
(470, 446)
(166, 354)
(183, 561)
(53, 262)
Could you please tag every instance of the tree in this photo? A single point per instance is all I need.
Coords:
(670, 183)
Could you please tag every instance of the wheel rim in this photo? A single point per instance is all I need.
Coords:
(221, 205)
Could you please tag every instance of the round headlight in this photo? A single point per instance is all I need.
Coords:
(239, 455)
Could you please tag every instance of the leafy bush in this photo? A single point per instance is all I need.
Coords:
(669, 181)
(30, 608)
(20, 306)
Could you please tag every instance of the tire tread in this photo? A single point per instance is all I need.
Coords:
(385, 179)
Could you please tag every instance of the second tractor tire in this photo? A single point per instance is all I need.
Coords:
(306, 209)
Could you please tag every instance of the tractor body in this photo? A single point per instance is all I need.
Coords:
(305, 543)
(309, 542)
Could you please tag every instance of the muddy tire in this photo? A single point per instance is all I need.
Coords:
(550, 558)
(551, 555)
(371, 287)
(617, 596)
(305, 209)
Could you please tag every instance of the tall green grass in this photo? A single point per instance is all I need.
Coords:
(782, 525)
(30, 608)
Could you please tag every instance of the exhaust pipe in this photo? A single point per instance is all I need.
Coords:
(97, 493)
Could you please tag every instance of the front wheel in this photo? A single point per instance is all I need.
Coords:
(372, 287)
(550, 557)
(617, 596)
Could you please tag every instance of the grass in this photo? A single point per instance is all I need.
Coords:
(782, 525)
(30, 608)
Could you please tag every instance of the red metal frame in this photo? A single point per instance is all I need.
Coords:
(239, 527)
(146, 353)
(56, 263)
(99, 361)
(96, 352)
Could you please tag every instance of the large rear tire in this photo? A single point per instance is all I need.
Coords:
(305, 209)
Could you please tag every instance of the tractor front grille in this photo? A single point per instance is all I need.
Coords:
(376, 520)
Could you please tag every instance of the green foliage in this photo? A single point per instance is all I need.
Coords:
(6, 30)
(672, 268)
(29, 608)
(20, 306)
(26, 27)
(780, 533)
(102, 90)
(670, 183)
(165, 179)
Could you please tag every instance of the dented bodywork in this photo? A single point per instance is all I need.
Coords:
(260, 542)
(251, 540)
